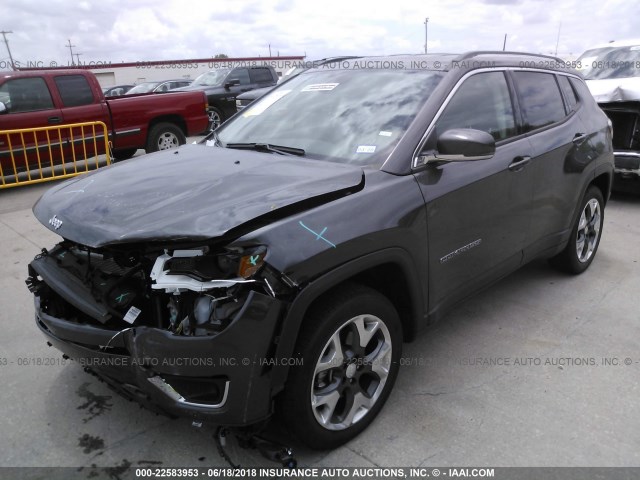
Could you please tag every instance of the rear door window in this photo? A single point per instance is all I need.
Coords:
(74, 90)
(540, 99)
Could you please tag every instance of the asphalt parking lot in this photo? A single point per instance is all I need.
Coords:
(541, 369)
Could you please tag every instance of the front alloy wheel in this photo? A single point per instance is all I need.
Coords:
(351, 372)
(350, 345)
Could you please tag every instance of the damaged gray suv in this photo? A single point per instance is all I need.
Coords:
(280, 264)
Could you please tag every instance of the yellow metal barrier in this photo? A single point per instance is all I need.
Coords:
(34, 155)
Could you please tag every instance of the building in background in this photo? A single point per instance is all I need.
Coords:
(110, 74)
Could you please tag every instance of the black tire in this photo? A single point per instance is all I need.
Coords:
(123, 154)
(164, 136)
(216, 117)
(585, 235)
(349, 388)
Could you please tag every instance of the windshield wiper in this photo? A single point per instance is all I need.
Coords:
(267, 147)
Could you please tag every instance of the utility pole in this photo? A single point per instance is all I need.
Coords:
(269, 49)
(558, 39)
(6, 42)
(504, 44)
(70, 47)
(426, 33)
(78, 57)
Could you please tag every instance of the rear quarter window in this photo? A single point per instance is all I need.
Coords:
(540, 99)
(584, 94)
(569, 93)
(74, 90)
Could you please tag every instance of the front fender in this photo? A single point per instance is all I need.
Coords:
(293, 320)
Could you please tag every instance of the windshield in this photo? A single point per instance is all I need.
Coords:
(346, 116)
(610, 62)
(143, 88)
(211, 79)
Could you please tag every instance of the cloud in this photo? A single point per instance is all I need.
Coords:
(502, 2)
(163, 29)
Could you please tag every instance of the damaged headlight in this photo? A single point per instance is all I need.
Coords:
(219, 279)
(204, 314)
(195, 264)
(189, 292)
(198, 270)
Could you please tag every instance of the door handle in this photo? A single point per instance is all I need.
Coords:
(54, 119)
(519, 163)
(579, 138)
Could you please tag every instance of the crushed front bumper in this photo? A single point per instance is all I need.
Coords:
(224, 379)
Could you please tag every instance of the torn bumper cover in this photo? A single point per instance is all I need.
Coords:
(223, 377)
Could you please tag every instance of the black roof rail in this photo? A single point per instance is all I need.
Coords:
(468, 55)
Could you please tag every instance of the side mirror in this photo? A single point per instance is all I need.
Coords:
(3, 108)
(464, 144)
(232, 82)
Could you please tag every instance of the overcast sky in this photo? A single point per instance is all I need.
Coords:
(142, 30)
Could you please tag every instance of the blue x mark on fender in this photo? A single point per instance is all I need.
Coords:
(318, 235)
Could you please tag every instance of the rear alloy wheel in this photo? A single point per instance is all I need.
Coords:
(585, 236)
(350, 351)
(165, 136)
(588, 233)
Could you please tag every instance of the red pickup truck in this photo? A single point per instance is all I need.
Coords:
(58, 97)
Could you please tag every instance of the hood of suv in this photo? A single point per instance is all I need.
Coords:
(192, 193)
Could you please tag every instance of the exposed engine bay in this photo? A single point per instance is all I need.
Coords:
(185, 291)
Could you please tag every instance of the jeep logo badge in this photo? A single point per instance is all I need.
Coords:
(55, 222)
